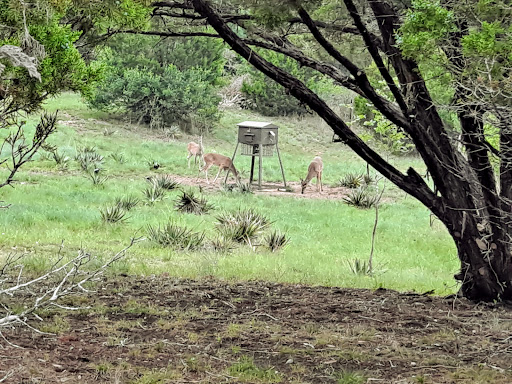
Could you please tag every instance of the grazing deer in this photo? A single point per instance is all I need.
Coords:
(195, 150)
(222, 161)
(314, 170)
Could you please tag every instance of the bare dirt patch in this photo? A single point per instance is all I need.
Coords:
(167, 330)
(267, 188)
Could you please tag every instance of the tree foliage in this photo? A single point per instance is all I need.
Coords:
(161, 82)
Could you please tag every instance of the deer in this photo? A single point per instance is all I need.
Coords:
(223, 162)
(314, 170)
(195, 150)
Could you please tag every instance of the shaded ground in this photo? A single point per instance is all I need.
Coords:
(167, 330)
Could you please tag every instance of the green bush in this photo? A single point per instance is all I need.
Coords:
(158, 84)
(265, 96)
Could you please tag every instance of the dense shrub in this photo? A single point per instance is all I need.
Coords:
(161, 83)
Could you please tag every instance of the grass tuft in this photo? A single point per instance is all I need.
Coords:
(114, 214)
(276, 241)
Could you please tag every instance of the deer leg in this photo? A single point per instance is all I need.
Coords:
(188, 158)
(321, 186)
(218, 173)
(205, 169)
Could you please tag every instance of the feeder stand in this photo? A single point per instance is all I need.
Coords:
(258, 139)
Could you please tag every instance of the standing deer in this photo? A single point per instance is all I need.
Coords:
(222, 161)
(195, 150)
(314, 170)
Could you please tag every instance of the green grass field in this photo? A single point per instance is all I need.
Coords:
(54, 205)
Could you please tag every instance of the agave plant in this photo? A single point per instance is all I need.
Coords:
(360, 267)
(114, 214)
(242, 226)
(88, 158)
(276, 241)
(352, 180)
(153, 193)
(361, 198)
(96, 176)
(175, 236)
(127, 202)
(188, 203)
(164, 182)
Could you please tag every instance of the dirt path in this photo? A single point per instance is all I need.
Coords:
(167, 330)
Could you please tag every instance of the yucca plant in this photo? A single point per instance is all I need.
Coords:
(352, 180)
(127, 202)
(118, 157)
(242, 226)
(175, 236)
(361, 198)
(96, 176)
(164, 181)
(153, 193)
(61, 159)
(188, 203)
(114, 214)
(153, 164)
(276, 241)
(221, 244)
(360, 267)
(88, 158)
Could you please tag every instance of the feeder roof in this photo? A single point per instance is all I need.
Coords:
(256, 124)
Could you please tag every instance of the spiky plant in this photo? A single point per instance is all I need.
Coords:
(164, 181)
(153, 193)
(127, 202)
(96, 176)
(61, 159)
(175, 236)
(242, 226)
(276, 241)
(118, 157)
(359, 267)
(361, 198)
(221, 244)
(188, 203)
(153, 164)
(352, 180)
(88, 158)
(114, 214)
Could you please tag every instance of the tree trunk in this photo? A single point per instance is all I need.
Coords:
(469, 211)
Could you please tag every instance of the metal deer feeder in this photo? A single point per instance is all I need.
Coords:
(258, 139)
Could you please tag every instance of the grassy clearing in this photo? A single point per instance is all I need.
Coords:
(53, 205)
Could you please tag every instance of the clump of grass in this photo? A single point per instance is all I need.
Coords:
(96, 176)
(114, 214)
(188, 203)
(127, 202)
(352, 180)
(362, 198)
(153, 193)
(175, 236)
(242, 226)
(276, 241)
(164, 181)
(88, 158)
(246, 370)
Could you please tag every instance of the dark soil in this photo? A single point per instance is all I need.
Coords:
(167, 330)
